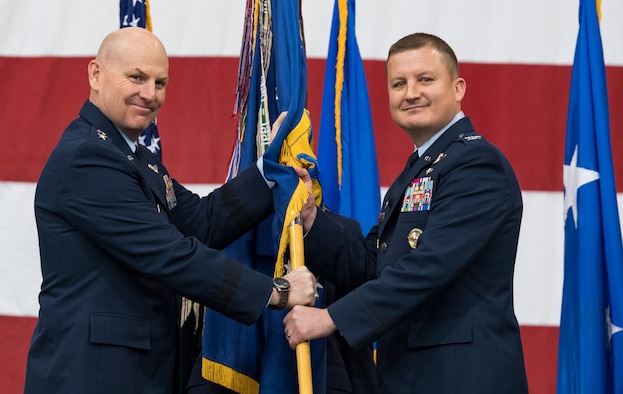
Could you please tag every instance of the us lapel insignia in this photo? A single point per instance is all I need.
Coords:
(170, 193)
(130, 157)
(153, 167)
(413, 236)
(101, 134)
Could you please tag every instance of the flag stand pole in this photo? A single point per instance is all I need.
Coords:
(303, 354)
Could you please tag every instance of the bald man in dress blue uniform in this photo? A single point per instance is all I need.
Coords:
(432, 283)
(121, 240)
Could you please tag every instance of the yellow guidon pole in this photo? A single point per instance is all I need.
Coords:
(303, 355)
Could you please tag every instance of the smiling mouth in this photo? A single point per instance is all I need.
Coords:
(142, 109)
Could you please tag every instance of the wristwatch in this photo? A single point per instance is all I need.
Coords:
(283, 288)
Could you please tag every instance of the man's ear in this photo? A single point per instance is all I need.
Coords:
(94, 69)
(460, 86)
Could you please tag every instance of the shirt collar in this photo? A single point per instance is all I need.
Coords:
(421, 149)
(132, 144)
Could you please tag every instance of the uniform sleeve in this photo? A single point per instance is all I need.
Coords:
(225, 214)
(103, 197)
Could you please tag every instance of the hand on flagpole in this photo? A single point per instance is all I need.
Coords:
(308, 212)
(302, 288)
(304, 323)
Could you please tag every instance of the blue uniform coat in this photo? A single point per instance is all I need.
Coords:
(119, 240)
(435, 279)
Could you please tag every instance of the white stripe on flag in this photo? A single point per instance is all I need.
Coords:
(538, 272)
(525, 32)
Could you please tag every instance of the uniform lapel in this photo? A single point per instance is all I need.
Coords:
(393, 198)
(153, 172)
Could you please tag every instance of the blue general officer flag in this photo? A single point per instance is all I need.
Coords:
(590, 354)
(136, 13)
(346, 151)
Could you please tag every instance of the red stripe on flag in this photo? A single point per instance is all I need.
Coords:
(540, 346)
(39, 97)
(15, 334)
(540, 350)
(520, 108)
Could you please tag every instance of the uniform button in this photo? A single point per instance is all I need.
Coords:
(382, 247)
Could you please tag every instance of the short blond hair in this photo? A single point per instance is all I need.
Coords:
(420, 40)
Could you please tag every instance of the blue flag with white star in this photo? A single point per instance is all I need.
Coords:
(136, 13)
(590, 353)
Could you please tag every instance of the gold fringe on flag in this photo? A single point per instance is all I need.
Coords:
(295, 143)
(147, 16)
(339, 84)
(227, 377)
(598, 3)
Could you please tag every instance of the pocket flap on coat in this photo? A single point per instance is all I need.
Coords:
(440, 330)
(120, 330)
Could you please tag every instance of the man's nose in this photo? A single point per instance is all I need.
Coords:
(413, 90)
(148, 91)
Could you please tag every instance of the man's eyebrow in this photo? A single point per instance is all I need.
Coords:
(138, 70)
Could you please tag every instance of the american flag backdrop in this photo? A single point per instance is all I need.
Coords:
(136, 13)
(516, 57)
